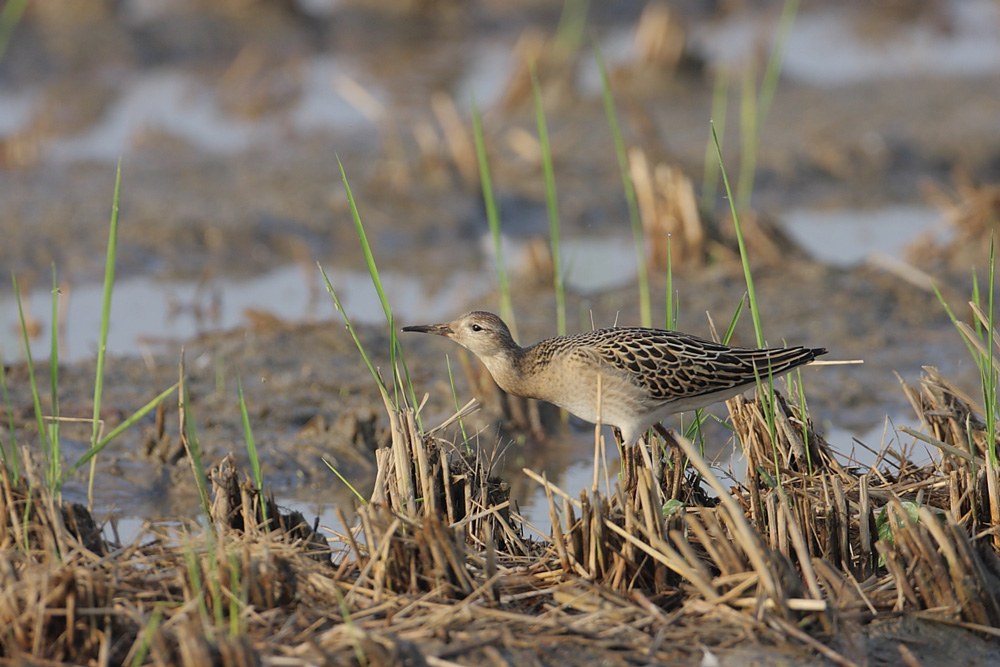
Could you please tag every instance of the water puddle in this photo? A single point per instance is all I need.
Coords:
(598, 264)
(828, 47)
(16, 109)
(578, 474)
(865, 447)
(331, 99)
(127, 507)
(148, 315)
(848, 237)
(169, 102)
(489, 71)
(183, 106)
(618, 48)
(572, 476)
(590, 264)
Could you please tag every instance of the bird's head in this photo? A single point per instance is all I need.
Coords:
(484, 334)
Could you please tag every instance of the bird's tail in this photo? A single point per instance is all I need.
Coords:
(781, 359)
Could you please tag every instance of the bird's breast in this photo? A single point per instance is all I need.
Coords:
(592, 392)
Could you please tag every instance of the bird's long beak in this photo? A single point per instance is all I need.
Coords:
(439, 329)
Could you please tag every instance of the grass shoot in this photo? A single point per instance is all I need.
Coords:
(645, 310)
(493, 218)
(552, 204)
(43, 433)
(395, 349)
(251, 445)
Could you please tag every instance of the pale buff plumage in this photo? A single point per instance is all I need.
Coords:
(645, 374)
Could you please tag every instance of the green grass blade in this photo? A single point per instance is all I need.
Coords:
(43, 432)
(776, 61)
(198, 588)
(147, 635)
(354, 334)
(988, 370)
(804, 414)
(671, 317)
(10, 16)
(572, 26)
(749, 124)
(9, 458)
(493, 217)
(710, 178)
(194, 452)
(768, 406)
(365, 246)
(754, 310)
(56, 460)
(344, 480)
(732, 323)
(234, 602)
(258, 478)
(755, 109)
(352, 630)
(395, 349)
(645, 310)
(552, 203)
(115, 432)
(458, 408)
(109, 282)
(695, 430)
(372, 268)
(771, 405)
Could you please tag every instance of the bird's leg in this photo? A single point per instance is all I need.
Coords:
(618, 436)
(667, 436)
(654, 462)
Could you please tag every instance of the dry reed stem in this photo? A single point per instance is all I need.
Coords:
(668, 209)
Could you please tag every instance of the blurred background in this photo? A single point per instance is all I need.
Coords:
(861, 140)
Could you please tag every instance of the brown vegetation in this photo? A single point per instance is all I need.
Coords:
(437, 568)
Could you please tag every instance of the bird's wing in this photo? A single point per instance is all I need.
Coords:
(671, 366)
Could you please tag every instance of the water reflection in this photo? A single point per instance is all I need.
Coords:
(846, 237)
(827, 48)
(148, 315)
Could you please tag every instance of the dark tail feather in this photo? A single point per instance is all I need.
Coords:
(779, 360)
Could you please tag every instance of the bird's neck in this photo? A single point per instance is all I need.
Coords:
(509, 369)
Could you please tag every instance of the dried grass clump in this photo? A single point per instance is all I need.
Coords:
(242, 508)
(966, 486)
(35, 520)
(676, 233)
(671, 221)
(972, 212)
(68, 595)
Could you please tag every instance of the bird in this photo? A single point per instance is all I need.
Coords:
(645, 374)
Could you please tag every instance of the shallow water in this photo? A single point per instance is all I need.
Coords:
(847, 237)
(150, 316)
(829, 45)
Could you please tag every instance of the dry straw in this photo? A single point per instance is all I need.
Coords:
(438, 564)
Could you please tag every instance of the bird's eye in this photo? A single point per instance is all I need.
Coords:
(476, 327)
